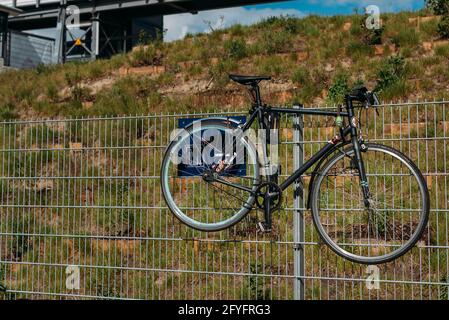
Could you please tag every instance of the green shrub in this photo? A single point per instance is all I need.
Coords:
(291, 25)
(237, 30)
(339, 88)
(391, 72)
(235, 48)
(8, 112)
(270, 22)
(443, 27)
(275, 42)
(81, 93)
(375, 36)
(145, 55)
(438, 7)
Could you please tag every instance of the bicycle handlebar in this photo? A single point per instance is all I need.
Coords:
(362, 95)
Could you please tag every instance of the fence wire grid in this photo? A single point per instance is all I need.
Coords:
(82, 216)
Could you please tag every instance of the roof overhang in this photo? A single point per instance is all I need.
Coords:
(10, 11)
(48, 10)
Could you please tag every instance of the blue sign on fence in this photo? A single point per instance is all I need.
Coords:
(193, 170)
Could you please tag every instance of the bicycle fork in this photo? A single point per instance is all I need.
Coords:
(358, 155)
(362, 172)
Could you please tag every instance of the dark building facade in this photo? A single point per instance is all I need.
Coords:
(103, 27)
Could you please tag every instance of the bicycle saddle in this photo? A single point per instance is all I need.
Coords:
(248, 80)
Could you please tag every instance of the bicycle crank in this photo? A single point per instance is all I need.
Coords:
(268, 198)
(269, 191)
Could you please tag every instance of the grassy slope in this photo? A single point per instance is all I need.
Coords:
(305, 57)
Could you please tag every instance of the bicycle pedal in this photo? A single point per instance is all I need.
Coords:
(263, 228)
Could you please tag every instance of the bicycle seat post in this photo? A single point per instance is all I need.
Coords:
(256, 89)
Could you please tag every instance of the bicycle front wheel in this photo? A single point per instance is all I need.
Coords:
(215, 190)
(398, 208)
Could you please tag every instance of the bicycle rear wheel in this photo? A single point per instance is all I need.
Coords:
(192, 191)
(398, 210)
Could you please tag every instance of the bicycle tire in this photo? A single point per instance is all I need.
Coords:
(175, 207)
(325, 234)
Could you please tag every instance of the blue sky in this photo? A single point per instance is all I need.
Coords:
(343, 6)
(179, 25)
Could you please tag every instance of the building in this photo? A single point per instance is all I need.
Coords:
(89, 29)
(5, 13)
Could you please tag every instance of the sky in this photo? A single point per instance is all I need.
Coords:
(178, 26)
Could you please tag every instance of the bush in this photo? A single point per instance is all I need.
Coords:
(237, 30)
(390, 73)
(8, 113)
(275, 42)
(339, 88)
(145, 55)
(438, 7)
(81, 93)
(375, 36)
(235, 49)
(291, 25)
(443, 27)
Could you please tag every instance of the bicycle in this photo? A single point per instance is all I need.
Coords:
(369, 202)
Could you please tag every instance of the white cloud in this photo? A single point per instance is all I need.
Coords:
(179, 25)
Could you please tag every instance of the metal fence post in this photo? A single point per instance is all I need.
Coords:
(298, 220)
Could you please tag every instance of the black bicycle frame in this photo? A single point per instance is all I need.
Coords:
(260, 112)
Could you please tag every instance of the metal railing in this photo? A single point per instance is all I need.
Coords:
(82, 216)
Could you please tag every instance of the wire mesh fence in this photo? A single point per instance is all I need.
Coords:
(82, 216)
